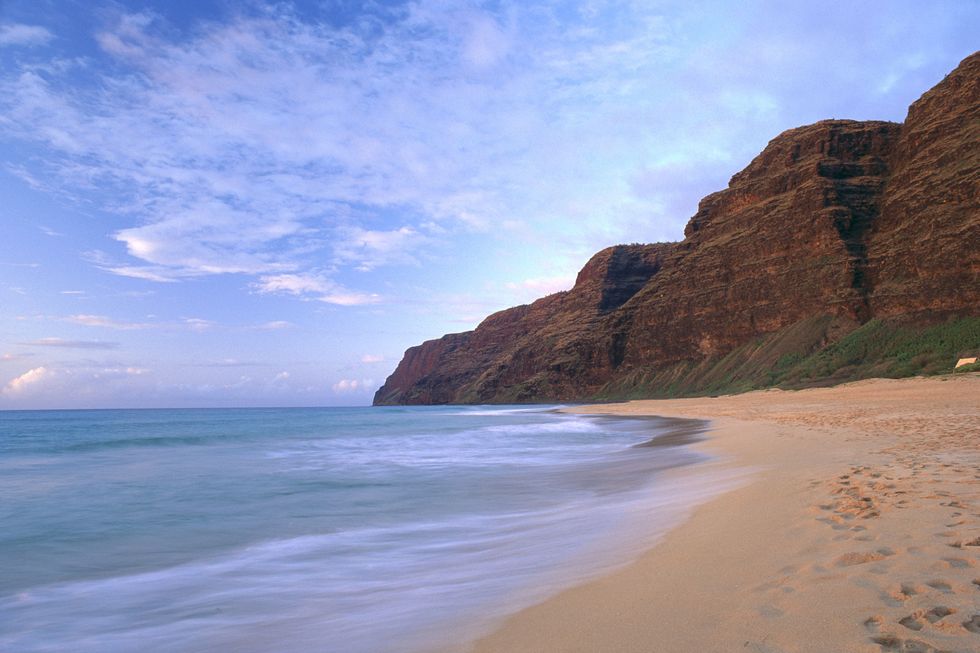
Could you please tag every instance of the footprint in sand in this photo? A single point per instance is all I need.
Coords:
(958, 563)
(892, 643)
(963, 543)
(856, 558)
(873, 624)
(956, 504)
(906, 591)
(973, 624)
(912, 623)
(940, 585)
(834, 522)
(917, 620)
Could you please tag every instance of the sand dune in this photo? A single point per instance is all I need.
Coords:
(859, 532)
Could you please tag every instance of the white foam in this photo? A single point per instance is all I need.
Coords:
(475, 522)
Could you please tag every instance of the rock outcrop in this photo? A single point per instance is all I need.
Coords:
(833, 225)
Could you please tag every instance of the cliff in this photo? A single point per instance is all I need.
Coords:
(840, 234)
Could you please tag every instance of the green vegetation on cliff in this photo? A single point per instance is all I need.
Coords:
(808, 354)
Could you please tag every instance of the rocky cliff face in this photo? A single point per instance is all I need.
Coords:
(832, 225)
(923, 251)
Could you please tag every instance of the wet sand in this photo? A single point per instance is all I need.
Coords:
(858, 531)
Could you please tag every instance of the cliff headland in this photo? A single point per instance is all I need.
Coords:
(844, 250)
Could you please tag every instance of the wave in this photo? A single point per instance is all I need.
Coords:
(482, 411)
(144, 441)
(327, 531)
(356, 590)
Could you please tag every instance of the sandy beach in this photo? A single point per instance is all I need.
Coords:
(859, 530)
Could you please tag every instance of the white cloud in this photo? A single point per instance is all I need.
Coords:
(72, 344)
(275, 325)
(542, 285)
(19, 34)
(145, 272)
(369, 249)
(47, 386)
(229, 362)
(349, 298)
(345, 386)
(486, 43)
(106, 322)
(116, 371)
(293, 284)
(313, 286)
(29, 378)
(372, 358)
(282, 376)
(198, 324)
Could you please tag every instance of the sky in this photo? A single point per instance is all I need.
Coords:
(217, 203)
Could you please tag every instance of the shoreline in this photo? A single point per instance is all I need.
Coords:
(855, 532)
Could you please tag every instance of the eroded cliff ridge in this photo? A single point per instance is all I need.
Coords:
(844, 249)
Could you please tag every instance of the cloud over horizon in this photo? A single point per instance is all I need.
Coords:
(71, 344)
(294, 183)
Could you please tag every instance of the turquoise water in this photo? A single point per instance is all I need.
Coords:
(363, 530)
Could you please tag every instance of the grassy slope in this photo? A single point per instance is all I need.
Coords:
(815, 352)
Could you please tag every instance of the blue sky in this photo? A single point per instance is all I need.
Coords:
(264, 203)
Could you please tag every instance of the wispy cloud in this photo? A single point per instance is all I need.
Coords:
(106, 322)
(229, 362)
(270, 146)
(368, 249)
(72, 344)
(274, 325)
(372, 358)
(313, 286)
(198, 324)
(19, 34)
(539, 286)
(294, 150)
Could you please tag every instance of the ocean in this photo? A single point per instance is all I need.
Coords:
(355, 530)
